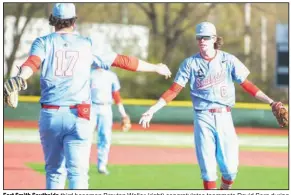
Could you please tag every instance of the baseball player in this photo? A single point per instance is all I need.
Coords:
(211, 74)
(105, 88)
(64, 59)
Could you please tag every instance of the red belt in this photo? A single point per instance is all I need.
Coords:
(220, 110)
(55, 107)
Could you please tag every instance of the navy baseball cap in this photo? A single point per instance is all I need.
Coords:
(64, 10)
(205, 29)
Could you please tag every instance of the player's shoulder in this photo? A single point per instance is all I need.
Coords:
(225, 55)
(43, 40)
(192, 58)
(44, 37)
(85, 38)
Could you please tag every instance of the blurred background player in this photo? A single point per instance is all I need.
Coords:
(212, 73)
(64, 59)
(105, 88)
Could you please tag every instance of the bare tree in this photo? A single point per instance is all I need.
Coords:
(173, 25)
(28, 11)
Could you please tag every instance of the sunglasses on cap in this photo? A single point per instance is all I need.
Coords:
(198, 38)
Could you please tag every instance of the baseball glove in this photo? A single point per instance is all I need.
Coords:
(11, 88)
(125, 123)
(281, 113)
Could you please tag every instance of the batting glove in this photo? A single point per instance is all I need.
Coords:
(163, 69)
(146, 118)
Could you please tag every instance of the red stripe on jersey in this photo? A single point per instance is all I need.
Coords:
(126, 62)
(116, 96)
(33, 62)
(172, 92)
(250, 87)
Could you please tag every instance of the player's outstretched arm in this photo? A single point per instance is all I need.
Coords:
(160, 68)
(256, 92)
(167, 96)
(133, 64)
(278, 109)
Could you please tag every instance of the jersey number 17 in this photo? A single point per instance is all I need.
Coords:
(66, 61)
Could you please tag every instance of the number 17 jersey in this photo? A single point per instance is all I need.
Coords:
(67, 59)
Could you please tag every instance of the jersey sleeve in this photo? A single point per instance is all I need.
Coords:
(38, 49)
(183, 74)
(103, 55)
(239, 71)
(115, 83)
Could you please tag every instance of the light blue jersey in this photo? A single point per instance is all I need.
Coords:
(65, 72)
(212, 82)
(103, 83)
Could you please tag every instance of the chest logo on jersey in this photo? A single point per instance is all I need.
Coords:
(210, 80)
(200, 74)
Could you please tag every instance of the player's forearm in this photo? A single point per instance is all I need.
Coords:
(121, 110)
(146, 67)
(166, 97)
(118, 101)
(158, 105)
(25, 72)
(263, 97)
(256, 92)
(126, 62)
(172, 92)
(33, 62)
(117, 97)
(30, 66)
(133, 64)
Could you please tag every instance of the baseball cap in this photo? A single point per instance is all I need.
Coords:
(64, 10)
(205, 29)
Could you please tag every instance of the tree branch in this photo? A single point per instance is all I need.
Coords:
(171, 41)
(166, 17)
(190, 25)
(17, 36)
(144, 8)
(151, 14)
(183, 13)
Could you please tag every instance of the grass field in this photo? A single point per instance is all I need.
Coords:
(178, 176)
(151, 176)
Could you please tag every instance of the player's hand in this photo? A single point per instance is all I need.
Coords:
(145, 119)
(11, 88)
(14, 84)
(163, 69)
(125, 123)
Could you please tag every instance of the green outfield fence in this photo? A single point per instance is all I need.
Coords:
(176, 112)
